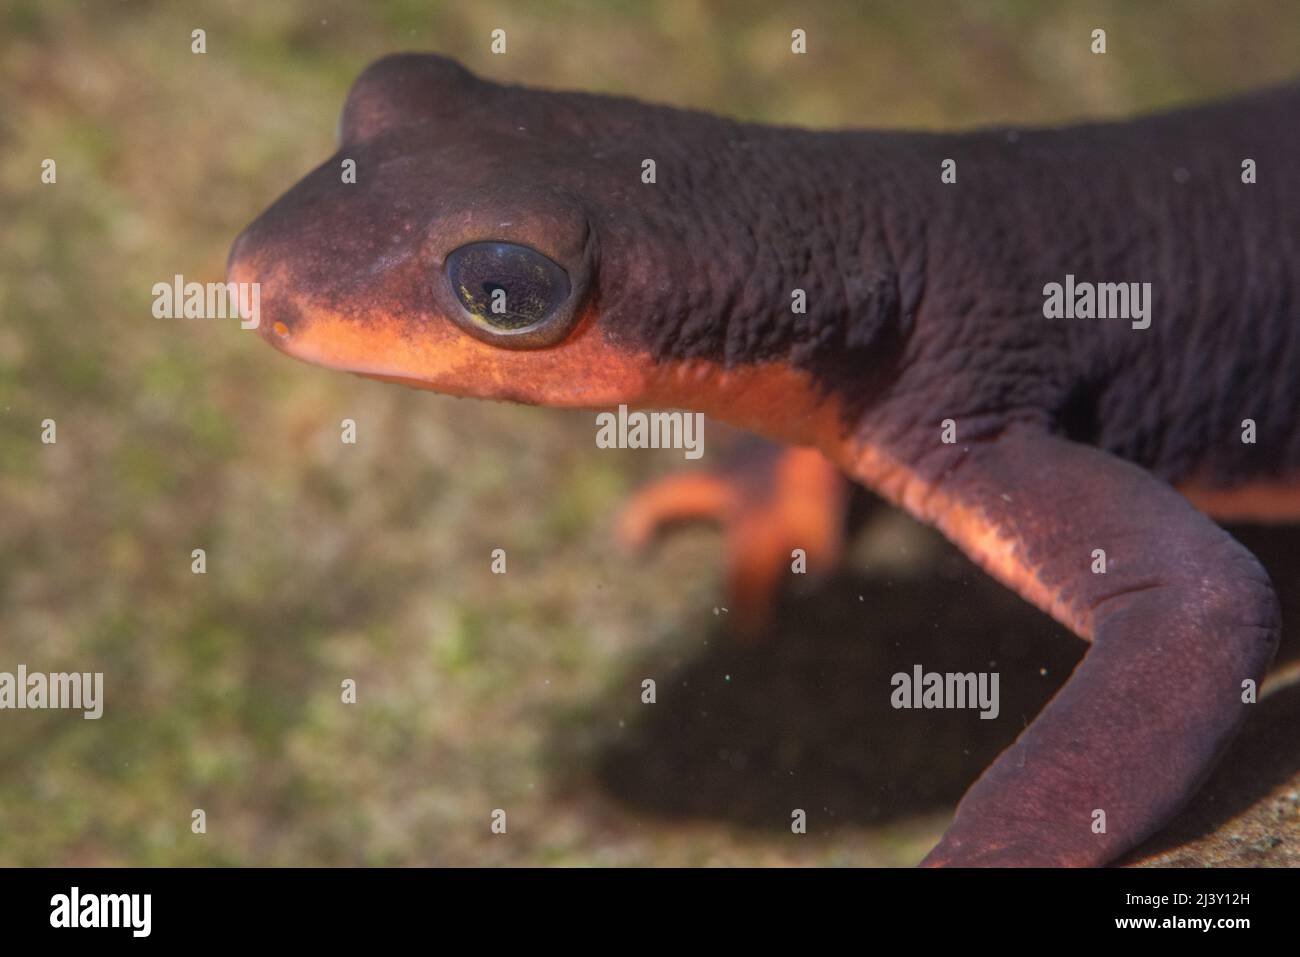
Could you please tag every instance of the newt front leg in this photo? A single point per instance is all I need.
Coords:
(1183, 623)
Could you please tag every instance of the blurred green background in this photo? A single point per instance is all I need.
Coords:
(370, 562)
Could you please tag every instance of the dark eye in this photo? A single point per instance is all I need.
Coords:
(507, 289)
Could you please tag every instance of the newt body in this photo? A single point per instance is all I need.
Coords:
(925, 306)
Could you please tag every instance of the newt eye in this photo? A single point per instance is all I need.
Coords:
(508, 291)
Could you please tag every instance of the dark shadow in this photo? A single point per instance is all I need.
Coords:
(803, 719)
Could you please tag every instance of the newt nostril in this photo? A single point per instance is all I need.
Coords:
(281, 318)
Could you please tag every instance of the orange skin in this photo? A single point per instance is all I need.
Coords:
(804, 508)
(802, 505)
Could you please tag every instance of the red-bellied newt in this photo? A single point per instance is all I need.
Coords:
(1050, 344)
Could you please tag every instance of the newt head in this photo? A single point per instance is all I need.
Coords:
(502, 242)
(446, 245)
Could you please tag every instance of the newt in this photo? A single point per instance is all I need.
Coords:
(505, 242)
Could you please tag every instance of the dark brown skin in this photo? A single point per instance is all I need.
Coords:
(925, 303)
